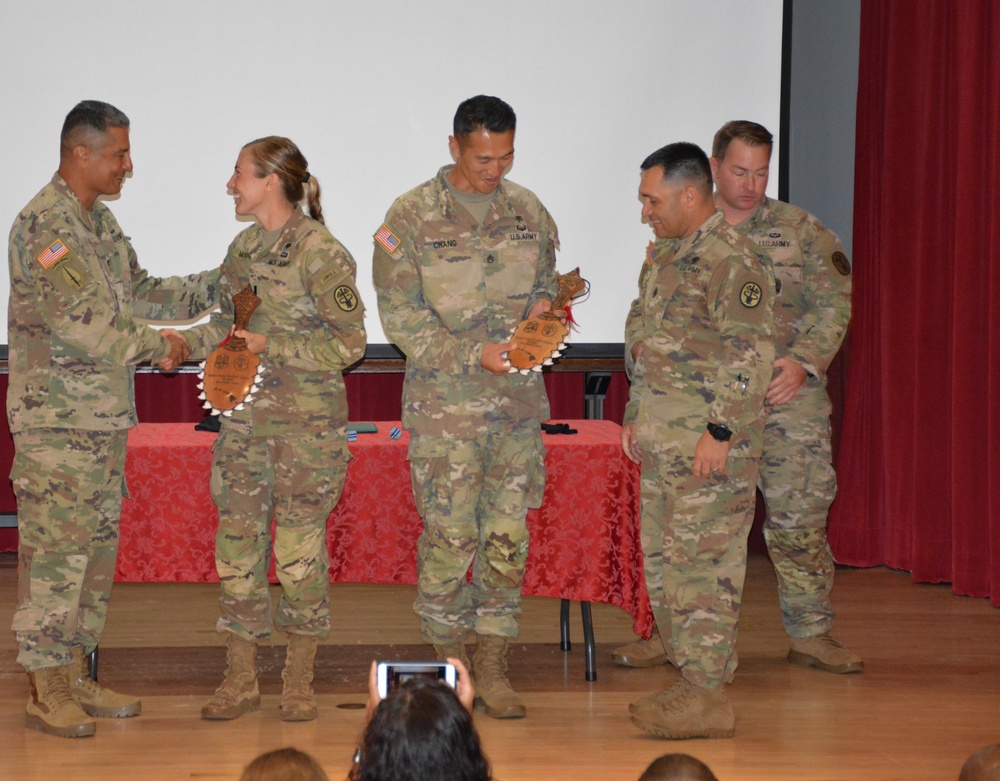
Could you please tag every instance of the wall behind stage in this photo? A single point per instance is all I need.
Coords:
(368, 91)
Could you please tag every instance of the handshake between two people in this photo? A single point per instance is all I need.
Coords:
(180, 351)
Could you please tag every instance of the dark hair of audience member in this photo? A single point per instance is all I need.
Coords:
(421, 732)
(284, 764)
(677, 767)
(984, 765)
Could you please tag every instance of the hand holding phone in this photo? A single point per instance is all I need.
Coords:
(389, 675)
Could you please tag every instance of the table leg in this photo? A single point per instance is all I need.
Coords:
(589, 649)
(564, 641)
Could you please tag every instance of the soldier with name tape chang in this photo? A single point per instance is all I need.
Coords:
(699, 351)
(458, 263)
(282, 455)
(76, 298)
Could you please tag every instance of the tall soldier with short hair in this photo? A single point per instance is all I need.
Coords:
(812, 310)
(459, 261)
(76, 293)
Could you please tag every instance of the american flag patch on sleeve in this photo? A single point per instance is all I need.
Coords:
(52, 253)
(387, 239)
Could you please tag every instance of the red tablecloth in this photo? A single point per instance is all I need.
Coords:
(584, 540)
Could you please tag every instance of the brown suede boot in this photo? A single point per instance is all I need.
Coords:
(687, 711)
(96, 700)
(824, 653)
(454, 651)
(52, 709)
(642, 653)
(493, 692)
(238, 692)
(298, 703)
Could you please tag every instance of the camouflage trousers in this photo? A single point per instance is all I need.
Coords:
(69, 485)
(799, 485)
(474, 496)
(296, 480)
(694, 541)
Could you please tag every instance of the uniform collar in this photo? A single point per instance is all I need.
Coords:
(686, 245)
(454, 212)
(88, 218)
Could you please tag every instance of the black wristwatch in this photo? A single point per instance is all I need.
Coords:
(719, 432)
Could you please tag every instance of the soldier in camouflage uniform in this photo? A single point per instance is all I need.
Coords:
(284, 455)
(460, 260)
(698, 341)
(811, 312)
(76, 294)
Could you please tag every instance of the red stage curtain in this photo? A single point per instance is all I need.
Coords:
(919, 462)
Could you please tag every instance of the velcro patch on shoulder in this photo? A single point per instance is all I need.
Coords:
(47, 257)
(841, 263)
(346, 297)
(750, 298)
(386, 239)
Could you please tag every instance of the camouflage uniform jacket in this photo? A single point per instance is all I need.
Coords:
(451, 286)
(313, 319)
(76, 291)
(704, 317)
(812, 307)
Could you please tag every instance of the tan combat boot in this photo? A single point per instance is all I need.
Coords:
(238, 692)
(493, 692)
(96, 700)
(52, 709)
(687, 711)
(824, 653)
(642, 653)
(453, 651)
(298, 703)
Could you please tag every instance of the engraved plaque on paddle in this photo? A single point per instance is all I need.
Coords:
(231, 372)
(539, 339)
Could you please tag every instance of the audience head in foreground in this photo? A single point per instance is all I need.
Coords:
(284, 764)
(677, 767)
(984, 765)
(422, 731)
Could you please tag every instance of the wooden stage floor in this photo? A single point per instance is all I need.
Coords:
(930, 694)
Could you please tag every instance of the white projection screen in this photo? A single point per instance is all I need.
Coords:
(368, 90)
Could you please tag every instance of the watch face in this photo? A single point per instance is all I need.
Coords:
(719, 433)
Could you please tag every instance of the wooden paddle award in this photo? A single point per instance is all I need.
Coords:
(231, 372)
(539, 339)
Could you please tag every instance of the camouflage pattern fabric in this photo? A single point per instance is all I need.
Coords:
(76, 291)
(296, 479)
(447, 285)
(453, 285)
(694, 542)
(704, 319)
(76, 294)
(285, 455)
(68, 484)
(812, 310)
(313, 319)
(473, 496)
